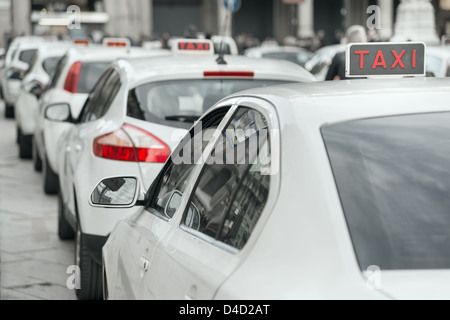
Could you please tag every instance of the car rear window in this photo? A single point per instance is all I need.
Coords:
(393, 177)
(180, 103)
(90, 74)
(50, 64)
(27, 55)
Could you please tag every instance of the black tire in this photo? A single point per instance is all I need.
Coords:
(37, 161)
(19, 136)
(51, 180)
(105, 283)
(25, 147)
(9, 111)
(65, 230)
(90, 271)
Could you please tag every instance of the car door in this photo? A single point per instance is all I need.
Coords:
(205, 246)
(76, 139)
(145, 231)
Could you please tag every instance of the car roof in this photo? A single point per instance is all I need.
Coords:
(186, 66)
(334, 101)
(274, 49)
(102, 53)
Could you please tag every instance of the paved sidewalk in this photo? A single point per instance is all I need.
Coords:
(33, 261)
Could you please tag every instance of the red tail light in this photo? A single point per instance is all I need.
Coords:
(73, 77)
(244, 74)
(131, 144)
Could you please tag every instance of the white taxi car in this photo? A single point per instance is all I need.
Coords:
(73, 79)
(438, 61)
(132, 121)
(312, 191)
(320, 62)
(18, 62)
(35, 82)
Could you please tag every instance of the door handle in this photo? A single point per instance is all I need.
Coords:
(144, 264)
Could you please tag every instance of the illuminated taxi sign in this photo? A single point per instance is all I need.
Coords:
(82, 42)
(194, 46)
(117, 42)
(386, 59)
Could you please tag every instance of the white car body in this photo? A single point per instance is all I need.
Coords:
(47, 132)
(229, 43)
(320, 62)
(291, 53)
(80, 170)
(18, 58)
(301, 247)
(37, 76)
(438, 61)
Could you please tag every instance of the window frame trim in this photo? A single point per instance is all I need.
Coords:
(196, 170)
(268, 110)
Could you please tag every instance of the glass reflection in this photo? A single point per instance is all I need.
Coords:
(115, 192)
(393, 176)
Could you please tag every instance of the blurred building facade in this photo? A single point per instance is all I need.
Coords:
(262, 19)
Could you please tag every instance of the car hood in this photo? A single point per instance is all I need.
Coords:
(413, 285)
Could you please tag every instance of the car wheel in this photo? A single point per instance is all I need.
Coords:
(9, 111)
(51, 182)
(25, 145)
(65, 230)
(105, 284)
(90, 271)
(18, 136)
(37, 161)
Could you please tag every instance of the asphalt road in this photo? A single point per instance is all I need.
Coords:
(33, 261)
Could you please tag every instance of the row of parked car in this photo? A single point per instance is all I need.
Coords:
(86, 112)
(188, 174)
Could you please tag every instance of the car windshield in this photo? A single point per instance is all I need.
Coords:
(90, 74)
(180, 103)
(393, 177)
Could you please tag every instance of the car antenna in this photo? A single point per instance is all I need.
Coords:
(221, 59)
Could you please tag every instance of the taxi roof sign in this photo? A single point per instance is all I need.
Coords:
(84, 42)
(386, 59)
(194, 46)
(117, 42)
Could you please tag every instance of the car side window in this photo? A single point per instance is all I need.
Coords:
(57, 72)
(233, 188)
(102, 96)
(173, 179)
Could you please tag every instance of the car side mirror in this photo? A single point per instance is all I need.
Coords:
(14, 74)
(121, 192)
(35, 88)
(173, 204)
(58, 113)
